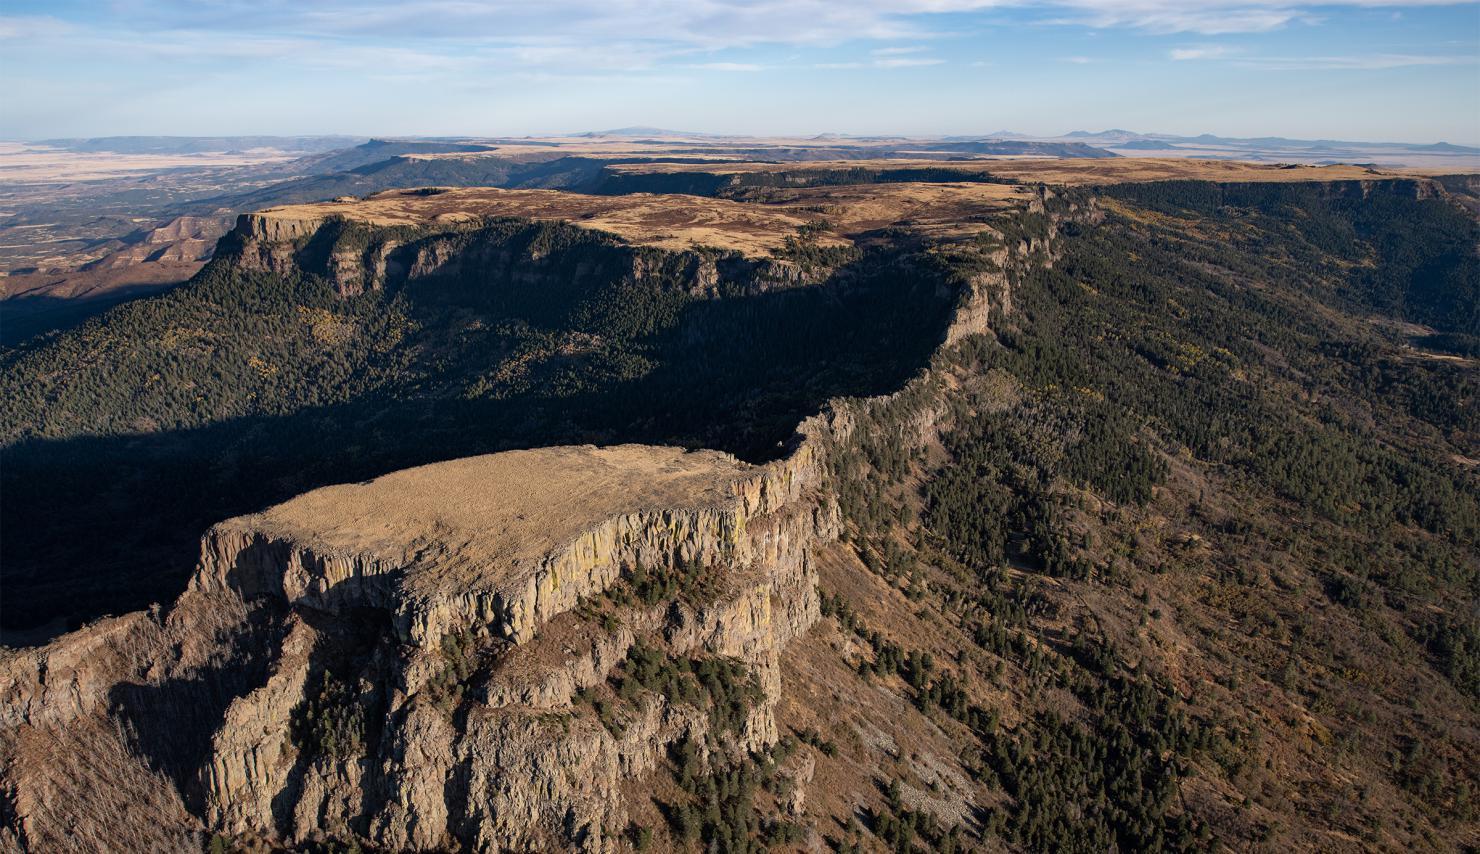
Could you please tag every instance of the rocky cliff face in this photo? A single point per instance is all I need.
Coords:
(406, 670)
(356, 258)
(405, 661)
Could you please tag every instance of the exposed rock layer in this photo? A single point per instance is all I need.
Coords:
(370, 594)
(498, 547)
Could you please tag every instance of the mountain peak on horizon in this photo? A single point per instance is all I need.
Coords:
(642, 130)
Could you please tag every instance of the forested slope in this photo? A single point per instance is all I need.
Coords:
(1176, 545)
(1193, 561)
(127, 437)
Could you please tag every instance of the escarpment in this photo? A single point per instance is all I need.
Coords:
(520, 537)
(360, 243)
(421, 639)
(459, 646)
(442, 657)
(358, 254)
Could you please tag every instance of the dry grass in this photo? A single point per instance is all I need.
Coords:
(1127, 169)
(680, 222)
(768, 217)
(937, 210)
(494, 517)
(667, 221)
(1061, 171)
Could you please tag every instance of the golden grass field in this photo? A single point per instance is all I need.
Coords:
(666, 221)
(767, 217)
(1051, 170)
(497, 516)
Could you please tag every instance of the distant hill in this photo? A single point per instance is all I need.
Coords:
(379, 150)
(1448, 147)
(641, 130)
(1030, 147)
(1146, 145)
(1113, 133)
(1282, 149)
(403, 171)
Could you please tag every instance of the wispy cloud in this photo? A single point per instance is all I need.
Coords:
(906, 61)
(32, 27)
(727, 66)
(65, 60)
(577, 37)
(1353, 62)
(1207, 51)
(1211, 17)
(886, 58)
(903, 56)
(1371, 62)
(709, 25)
(1213, 20)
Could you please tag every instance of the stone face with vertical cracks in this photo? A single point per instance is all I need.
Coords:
(500, 548)
(440, 609)
(500, 543)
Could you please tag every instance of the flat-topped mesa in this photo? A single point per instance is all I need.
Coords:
(1028, 170)
(507, 545)
(528, 240)
(672, 222)
(501, 542)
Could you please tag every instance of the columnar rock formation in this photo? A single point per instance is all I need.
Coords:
(373, 579)
(402, 660)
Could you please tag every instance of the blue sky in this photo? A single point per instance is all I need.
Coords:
(1401, 71)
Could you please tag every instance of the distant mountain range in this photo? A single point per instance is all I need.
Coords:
(1282, 149)
(1126, 138)
(645, 131)
(339, 153)
(1267, 148)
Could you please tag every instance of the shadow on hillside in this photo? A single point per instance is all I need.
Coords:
(24, 318)
(107, 525)
(172, 722)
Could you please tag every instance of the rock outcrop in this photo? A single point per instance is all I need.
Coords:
(403, 661)
(354, 591)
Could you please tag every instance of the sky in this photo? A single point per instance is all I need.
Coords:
(1402, 70)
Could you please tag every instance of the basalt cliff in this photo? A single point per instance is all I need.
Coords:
(529, 649)
(407, 661)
